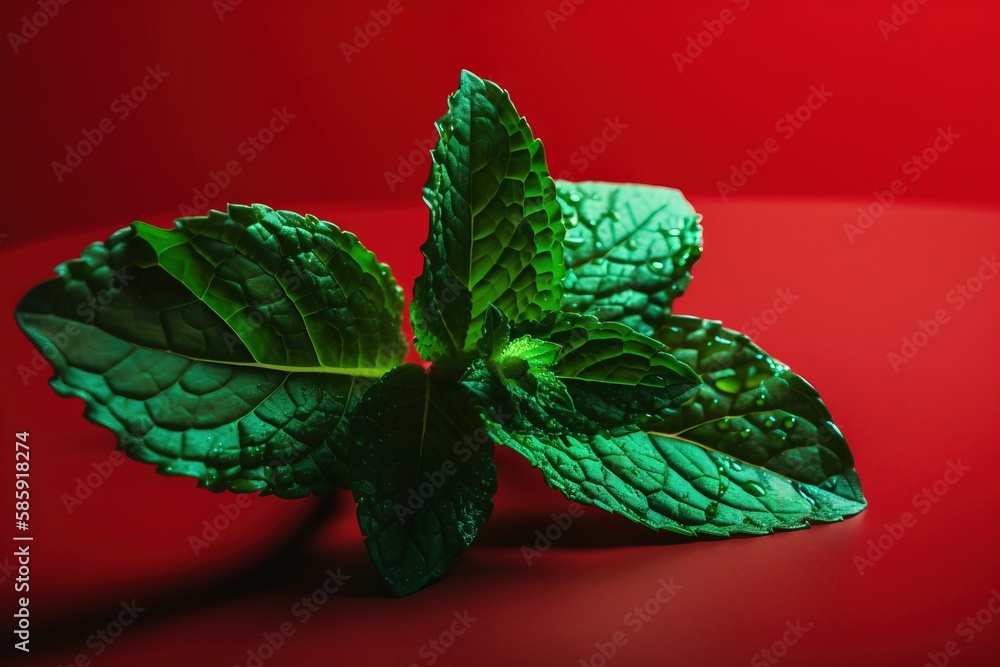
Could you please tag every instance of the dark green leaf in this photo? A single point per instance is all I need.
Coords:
(230, 348)
(629, 250)
(753, 452)
(495, 231)
(422, 475)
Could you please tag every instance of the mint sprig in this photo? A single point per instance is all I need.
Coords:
(260, 351)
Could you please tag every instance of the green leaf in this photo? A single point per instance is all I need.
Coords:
(629, 250)
(422, 475)
(753, 452)
(495, 231)
(231, 348)
(754, 409)
(573, 371)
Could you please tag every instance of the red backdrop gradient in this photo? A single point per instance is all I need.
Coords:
(891, 91)
(892, 94)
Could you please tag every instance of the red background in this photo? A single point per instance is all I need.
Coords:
(785, 228)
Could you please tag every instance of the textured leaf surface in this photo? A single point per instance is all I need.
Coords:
(495, 231)
(422, 474)
(573, 371)
(231, 348)
(629, 250)
(754, 451)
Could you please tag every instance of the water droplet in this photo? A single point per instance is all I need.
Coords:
(632, 244)
(712, 510)
(656, 266)
(735, 466)
(761, 400)
(724, 424)
(599, 245)
(802, 492)
(573, 241)
(788, 422)
(753, 488)
(745, 433)
(673, 231)
(770, 422)
(575, 198)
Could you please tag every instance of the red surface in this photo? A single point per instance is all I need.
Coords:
(354, 120)
(854, 301)
(784, 229)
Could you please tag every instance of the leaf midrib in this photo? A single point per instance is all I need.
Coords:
(361, 371)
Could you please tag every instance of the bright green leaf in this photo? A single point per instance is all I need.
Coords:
(422, 474)
(573, 371)
(231, 348)
(753, 452)
(495, 231)
(629, 250)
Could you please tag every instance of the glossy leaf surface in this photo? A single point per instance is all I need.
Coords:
(753, 451)
(629, 250)
(422, 474)
(495, 231)
(231, 348)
